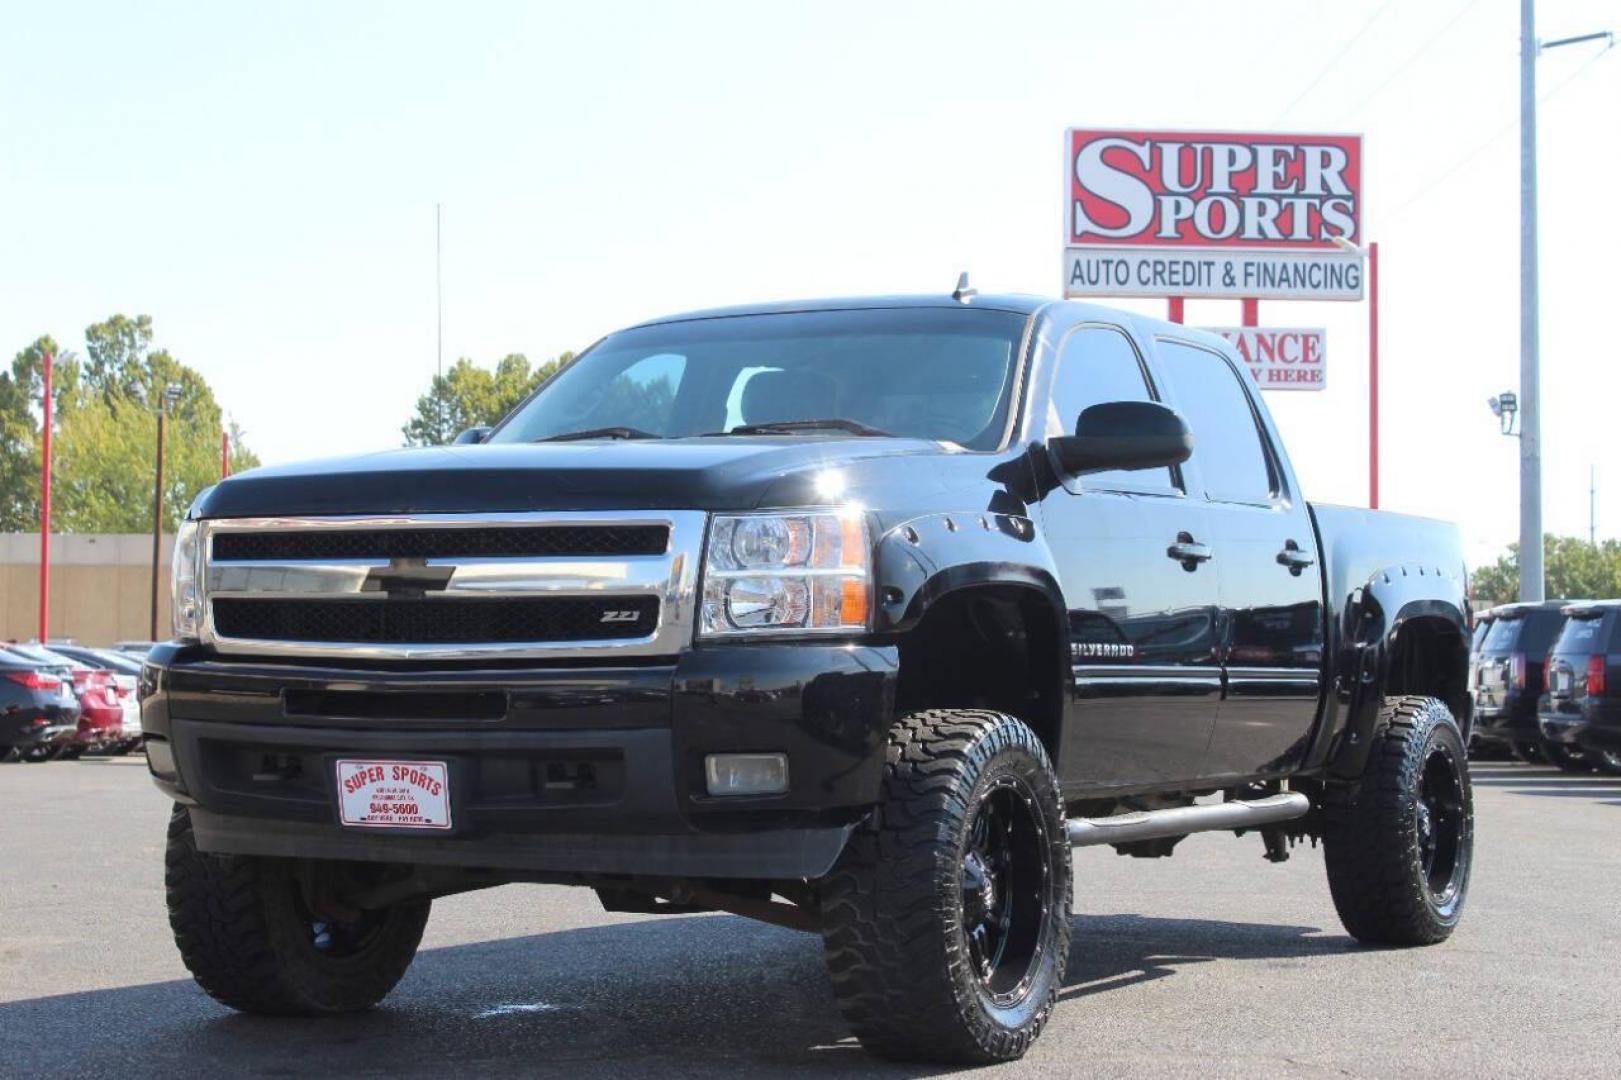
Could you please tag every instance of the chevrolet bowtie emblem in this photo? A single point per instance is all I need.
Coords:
(407, 578)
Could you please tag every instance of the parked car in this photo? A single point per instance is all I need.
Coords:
(126, 672)
(1509, 680)
(101, 711)
(1482, 749)
(875, 606)
(39, 714)
(1581, 709)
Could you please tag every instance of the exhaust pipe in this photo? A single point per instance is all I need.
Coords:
(1182, 820)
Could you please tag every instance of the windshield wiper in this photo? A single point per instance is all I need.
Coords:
(785, 427)
(602, 433)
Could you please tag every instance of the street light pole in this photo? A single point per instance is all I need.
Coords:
(1531, 569)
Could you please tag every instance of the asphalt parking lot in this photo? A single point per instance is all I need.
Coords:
(1210, 963)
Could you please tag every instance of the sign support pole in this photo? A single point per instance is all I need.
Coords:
(45, 510)
(1252, 312)
(1373, 376)
(1175, 314)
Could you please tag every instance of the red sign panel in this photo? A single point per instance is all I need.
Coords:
(1197, 189)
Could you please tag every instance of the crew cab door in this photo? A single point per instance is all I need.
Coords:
(1131, 550)
(1265, 555)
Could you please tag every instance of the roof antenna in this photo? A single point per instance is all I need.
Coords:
(964, 290)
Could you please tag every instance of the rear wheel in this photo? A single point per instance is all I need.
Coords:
(1608, 761)
(946, 919)
(1400, 845)
(36, 754)
(251, 941)
(1529, 752)
(1569, 758)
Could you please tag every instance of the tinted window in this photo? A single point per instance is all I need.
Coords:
(932, 373)
(1100, 365)
(1227, 446)
(1582, 636)
(1532, 633)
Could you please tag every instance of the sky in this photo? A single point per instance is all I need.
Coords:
(261, 179)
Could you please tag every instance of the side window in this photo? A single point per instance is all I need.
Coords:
(1099, 364)
(1227, 446)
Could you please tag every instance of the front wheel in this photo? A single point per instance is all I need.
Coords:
(1400, 845)
(251, 941)
(946, 921)
(1608, 761)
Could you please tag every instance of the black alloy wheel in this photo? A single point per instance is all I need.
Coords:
(1006, 890)
(1443, 825)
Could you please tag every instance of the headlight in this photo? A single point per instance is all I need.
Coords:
(186, 594)
(806, 572)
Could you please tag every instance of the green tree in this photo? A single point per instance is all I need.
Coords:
(1573, 569)
(468, 395)
(106, 433)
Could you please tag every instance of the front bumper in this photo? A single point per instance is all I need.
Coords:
(565, 769)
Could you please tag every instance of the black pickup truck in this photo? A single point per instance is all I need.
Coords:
(851, 616)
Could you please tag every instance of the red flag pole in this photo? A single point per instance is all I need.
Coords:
(1373, 376)
(225, 454)
(45, 510)
(1175, 312)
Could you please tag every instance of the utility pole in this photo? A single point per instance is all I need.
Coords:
(1531, 570)
(1592, 505)
(439, 319)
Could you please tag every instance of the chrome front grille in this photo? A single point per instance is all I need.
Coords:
(452, 586)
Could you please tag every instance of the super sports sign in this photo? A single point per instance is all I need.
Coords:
(1153, 213)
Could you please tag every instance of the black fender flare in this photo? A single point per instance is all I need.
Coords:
(1371, 633)
(925, 559)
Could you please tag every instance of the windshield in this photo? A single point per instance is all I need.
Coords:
(930, 373)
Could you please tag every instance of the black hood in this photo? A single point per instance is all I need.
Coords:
(702, 474)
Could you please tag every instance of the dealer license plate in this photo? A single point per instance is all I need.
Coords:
(394, 794)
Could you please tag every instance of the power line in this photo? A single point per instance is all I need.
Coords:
(1334, 61)
(1407, 63)
(1453, 169)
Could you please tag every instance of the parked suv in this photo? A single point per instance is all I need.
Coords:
(851, 616)
(1581, 710)
(1508, 670)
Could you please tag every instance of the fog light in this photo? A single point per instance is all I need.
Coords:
(159, 759)
(746, 774)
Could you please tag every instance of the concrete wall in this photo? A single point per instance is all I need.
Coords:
(101, 587)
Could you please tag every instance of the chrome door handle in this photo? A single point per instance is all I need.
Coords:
(1188, 551)
(1295, 559)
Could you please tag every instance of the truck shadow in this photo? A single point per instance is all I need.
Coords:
(711, 995)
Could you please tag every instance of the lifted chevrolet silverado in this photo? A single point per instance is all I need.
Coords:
(851, 616)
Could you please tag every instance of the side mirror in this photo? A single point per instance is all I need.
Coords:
(1124, 435)
(472, 435)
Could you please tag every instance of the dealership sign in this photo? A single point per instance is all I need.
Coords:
(1281, 358)
(1152, 213)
